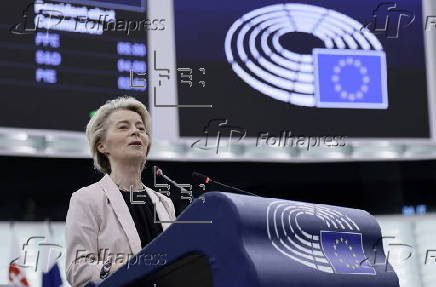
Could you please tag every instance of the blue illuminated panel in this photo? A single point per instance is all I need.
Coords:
(350, 79)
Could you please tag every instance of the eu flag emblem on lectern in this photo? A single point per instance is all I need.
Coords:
(344, 250)
(350, 79)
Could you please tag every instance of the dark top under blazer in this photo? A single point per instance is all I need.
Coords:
(143, 216)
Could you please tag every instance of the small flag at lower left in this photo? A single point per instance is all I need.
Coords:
(51, 276)
(17, 274)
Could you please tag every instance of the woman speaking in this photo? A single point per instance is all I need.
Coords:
(103, 228)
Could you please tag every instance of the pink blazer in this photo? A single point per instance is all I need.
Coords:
(99, 224)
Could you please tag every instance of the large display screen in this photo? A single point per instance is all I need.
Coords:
(313, 68)
(60, 61)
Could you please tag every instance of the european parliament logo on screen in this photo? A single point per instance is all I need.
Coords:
(350, 79)
(257, 55)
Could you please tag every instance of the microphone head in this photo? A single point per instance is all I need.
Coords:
(202, 177)
(159, 171)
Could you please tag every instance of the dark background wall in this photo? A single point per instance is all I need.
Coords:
(40, 188)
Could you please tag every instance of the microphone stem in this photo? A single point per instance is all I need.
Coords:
(235, 188)
(174, 183)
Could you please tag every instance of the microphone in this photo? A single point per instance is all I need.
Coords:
(160, 173)
(205, 179)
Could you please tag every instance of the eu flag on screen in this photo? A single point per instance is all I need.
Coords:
(344, 250)
(350, 79)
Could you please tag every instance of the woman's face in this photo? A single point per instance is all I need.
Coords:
(126, 137)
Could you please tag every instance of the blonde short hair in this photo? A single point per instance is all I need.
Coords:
(97, 127)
